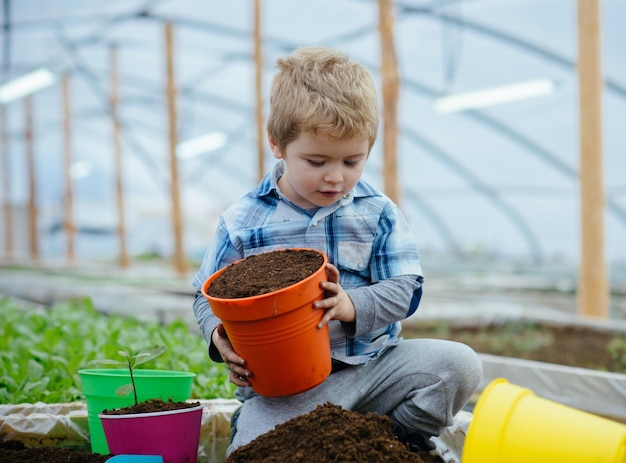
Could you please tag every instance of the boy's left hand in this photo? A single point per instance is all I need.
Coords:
(337, 303)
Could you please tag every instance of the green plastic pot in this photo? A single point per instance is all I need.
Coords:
(99, 386)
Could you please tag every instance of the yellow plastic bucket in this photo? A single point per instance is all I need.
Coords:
(511, 425)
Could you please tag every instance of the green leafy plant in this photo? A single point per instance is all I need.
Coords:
(42, 349)
(131, 361)
(617, 351)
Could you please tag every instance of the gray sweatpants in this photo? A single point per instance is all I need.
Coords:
(420, 384)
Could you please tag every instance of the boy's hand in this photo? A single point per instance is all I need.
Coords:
(238, 372)
(337, 304)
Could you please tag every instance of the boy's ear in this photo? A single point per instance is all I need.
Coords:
(274, 147)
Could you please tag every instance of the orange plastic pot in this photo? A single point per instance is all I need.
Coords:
(277, 334)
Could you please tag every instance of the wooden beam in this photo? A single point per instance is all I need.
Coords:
(180, 262)
(68, 199)
(390, 84)
(6, 186)
(33, 242)
(258, 85)
(117, 147)
(593, 290)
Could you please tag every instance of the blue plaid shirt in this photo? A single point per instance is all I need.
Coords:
(363, 234)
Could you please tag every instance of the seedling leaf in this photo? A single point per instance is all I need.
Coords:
(148, 354)
(145, 354)
(124, 390)
(106, 362)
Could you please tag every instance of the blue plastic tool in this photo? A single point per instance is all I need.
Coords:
(136, 459)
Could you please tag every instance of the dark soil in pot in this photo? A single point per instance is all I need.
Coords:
(264, 273)
(151, 406)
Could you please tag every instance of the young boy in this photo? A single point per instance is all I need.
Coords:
(322, 125)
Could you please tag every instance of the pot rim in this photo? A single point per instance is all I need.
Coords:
(146, 415)
(143, 372)
(214, 276)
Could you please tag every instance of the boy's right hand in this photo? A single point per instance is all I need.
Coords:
(239, 374)
(336, 302)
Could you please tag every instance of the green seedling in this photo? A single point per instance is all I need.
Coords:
(617, 351)
(131, 361)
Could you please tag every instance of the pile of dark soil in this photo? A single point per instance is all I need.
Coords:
(264, 273)
(330, 433)
(15, 452)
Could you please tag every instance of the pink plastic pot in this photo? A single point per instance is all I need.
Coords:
(174, 435)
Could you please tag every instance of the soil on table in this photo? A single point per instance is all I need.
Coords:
(15, 452)
(575, 346)
(264, 273)
(330, 433)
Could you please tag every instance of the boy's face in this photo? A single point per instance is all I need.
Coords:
(319, 169)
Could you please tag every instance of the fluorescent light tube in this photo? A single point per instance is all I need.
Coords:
(494, 96)
(203, 144)
(26, 85)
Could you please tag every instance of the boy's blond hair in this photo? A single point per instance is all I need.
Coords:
(319, 89)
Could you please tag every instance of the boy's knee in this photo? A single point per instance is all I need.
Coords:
(464, 376)
(472, 367)
(464, 363)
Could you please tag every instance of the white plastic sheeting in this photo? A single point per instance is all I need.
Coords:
(450, 442)
(501, 180)
(41, 424)
(593, 391)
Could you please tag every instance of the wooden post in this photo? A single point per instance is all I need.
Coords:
(6, 186)
(32, 180)
(179, 253)
(593, 291)
(258, 61)
(68, 199)
(117, 146)
(390, 82)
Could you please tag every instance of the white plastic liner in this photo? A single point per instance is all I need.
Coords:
(215, 432)
(450, 442)
(41, 424)
(589, 390)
